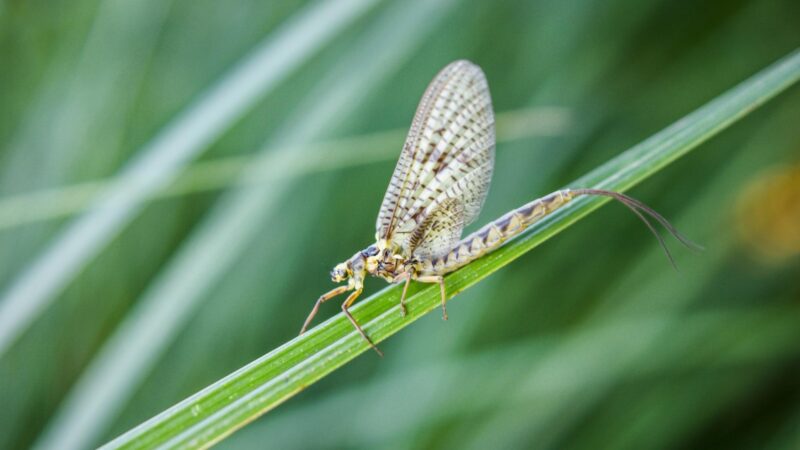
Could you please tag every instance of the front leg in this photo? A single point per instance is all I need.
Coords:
(324, 298)
(346, 310)
(438, 279)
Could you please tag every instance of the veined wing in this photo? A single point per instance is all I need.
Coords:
(447, 215)
(447, 159)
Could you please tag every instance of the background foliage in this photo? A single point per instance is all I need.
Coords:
(589, 341)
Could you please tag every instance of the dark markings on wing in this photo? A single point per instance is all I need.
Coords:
(447, 159)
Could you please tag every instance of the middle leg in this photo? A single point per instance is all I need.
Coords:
(407, 276)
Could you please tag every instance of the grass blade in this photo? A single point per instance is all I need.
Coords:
(239, 398)
(545, 357)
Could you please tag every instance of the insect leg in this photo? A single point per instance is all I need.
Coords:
(438, 279)
(345, 306)
(322, 299)
(403, 296)
(407, 276)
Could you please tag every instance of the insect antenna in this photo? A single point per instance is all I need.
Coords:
(638, 208)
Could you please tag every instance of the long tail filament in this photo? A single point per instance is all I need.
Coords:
(642, 211)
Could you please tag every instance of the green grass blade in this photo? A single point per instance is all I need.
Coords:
(239, 398)
(541, 359)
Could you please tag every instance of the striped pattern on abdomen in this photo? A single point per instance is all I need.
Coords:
(493, 234)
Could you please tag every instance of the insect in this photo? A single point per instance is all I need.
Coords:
(438, 187)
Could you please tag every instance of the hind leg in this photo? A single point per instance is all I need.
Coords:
(438, 279)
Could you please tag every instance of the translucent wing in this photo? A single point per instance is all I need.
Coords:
(440, 231)
(446, 163)
(446, 216)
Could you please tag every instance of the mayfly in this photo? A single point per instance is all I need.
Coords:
(438, 187)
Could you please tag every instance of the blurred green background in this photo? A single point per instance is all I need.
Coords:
(168, 215)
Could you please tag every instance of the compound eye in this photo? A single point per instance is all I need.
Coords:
(338, 274)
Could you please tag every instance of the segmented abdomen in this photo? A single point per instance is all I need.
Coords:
(493, 234)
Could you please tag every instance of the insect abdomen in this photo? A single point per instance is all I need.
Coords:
(493, 234)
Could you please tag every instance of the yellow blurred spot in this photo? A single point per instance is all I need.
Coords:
(768, 214)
